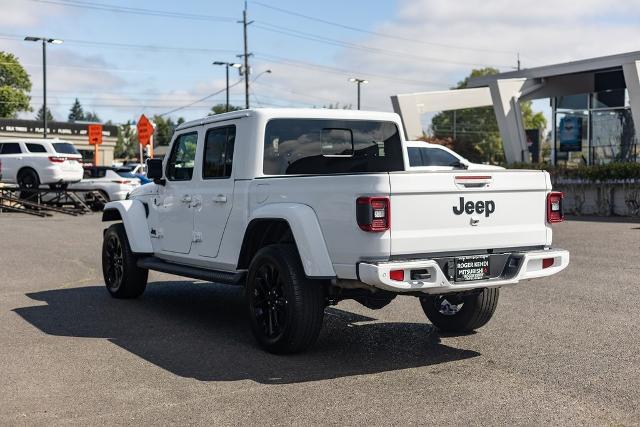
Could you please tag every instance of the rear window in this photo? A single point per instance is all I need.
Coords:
(11, 148)
(64, 148)
(327, 146)
(424, 156)
(36, 148)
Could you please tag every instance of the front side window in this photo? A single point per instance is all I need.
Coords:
(426, 156)
(328, 146)
(11, 148)
(36, 148)
(65, 148)
(183, 156)
(218, 152)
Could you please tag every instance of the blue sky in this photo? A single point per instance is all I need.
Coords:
(427, 45)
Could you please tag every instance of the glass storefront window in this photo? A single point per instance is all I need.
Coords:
(573, 102)
(609, 98)
(572, 133)
(612, 137)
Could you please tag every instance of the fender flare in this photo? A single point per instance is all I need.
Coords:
(307, 234)
(134, 218)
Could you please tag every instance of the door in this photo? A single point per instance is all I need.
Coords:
(215, 192)
(174, 204)
(11, 158)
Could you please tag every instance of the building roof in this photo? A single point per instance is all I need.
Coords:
(573, 67)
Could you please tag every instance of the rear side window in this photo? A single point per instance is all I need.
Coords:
(182, 158)
(64, 148)
(218, 152)
(11, 148)
(36, 148)
(327, 146)
(419, 156)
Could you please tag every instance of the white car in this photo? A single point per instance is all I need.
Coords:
(308, 207)
(427, 156)
(112, 184)
(34, 162)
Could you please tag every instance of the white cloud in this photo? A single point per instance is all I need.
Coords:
(23, 13)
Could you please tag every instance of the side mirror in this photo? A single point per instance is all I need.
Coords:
(154, 171)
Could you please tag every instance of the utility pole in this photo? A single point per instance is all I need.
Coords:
(246, 54)
(518, 61)
(44, 40)
(44, 87)
(454, 125)
(227, 65)
(358, 82)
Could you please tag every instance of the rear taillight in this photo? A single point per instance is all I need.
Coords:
(373, 213)
(555, 213)
(57, 159)
(121, 181)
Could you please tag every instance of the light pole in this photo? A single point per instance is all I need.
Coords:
(259, 74)
(44, 40)
(227, 65)
(358, 82)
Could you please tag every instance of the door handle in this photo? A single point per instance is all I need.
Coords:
(220, 198)
(186, 198)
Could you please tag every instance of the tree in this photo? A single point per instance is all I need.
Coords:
(15, 85)
(127, 142)
(475, 131)
(337, 106)
(222, 108)
(76, 114)
(164, 130)
(91, 117)
(40, 116)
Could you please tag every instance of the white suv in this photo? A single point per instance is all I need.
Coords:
(32, 162)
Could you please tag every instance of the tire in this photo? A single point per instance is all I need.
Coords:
(122, 276)
(29, 179)
(97, 205)
(285, 308)
(461, 313)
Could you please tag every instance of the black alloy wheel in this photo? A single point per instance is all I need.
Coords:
(114, 263)
(122, 276)
(285, 307)
(268, 301)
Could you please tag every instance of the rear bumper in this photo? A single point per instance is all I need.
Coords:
(378, 274)
(55, 174)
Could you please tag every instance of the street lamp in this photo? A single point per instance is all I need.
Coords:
(358, 82)
(227, 65)
(259, 74)
(44, 40)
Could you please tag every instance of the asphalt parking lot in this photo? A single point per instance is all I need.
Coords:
(559, 350)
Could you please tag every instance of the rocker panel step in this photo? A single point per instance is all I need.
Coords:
(157, 264)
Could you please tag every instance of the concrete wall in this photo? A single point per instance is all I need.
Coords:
(603, 199)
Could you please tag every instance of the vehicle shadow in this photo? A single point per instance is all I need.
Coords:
(200, 331)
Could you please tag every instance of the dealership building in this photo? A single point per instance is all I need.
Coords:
(595, 103)
(75, 133)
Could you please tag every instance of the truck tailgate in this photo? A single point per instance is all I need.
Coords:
(452, 211)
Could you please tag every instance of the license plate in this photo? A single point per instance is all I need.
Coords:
(472, 268)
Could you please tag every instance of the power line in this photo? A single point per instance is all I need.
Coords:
(371, 49)
(379, 34)
(341, 71)
(201, 99)
(130, 46)
(136, 10)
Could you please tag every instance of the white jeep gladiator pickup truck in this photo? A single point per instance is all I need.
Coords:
(308, 207)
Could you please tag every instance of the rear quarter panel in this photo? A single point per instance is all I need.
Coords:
(333, 199)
